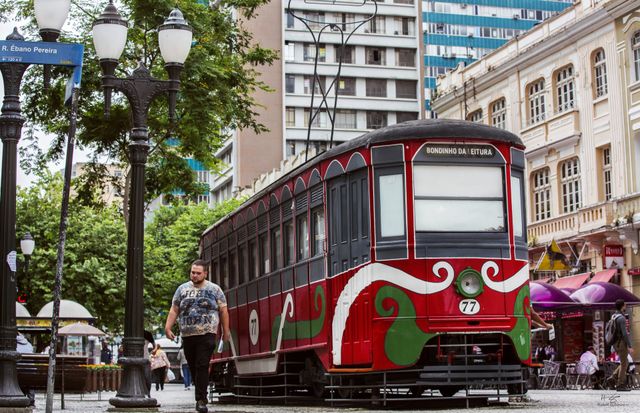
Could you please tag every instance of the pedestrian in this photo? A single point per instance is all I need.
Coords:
(184, 369)
(159, 365)
(24, 346)
(622, 345)
(199, 306)
(106, 356)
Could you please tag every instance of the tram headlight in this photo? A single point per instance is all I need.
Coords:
(469, 283)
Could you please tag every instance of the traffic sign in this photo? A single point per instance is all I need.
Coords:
(42, 53)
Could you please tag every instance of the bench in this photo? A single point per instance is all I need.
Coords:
(69, 372)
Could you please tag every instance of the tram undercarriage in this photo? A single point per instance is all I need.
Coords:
(451, 367)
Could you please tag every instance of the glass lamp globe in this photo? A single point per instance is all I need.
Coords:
(174, 37)
(110, 33)
(27, 244)
(51, 14)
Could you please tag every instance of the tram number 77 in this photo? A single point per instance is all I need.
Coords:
(469, 306)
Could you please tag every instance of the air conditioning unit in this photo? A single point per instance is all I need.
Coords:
(366, 30)
(396, 32)
(447, 55)
(463, 6)
(516, 16)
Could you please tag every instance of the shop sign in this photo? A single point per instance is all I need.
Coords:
(459, 151)
(613, 256)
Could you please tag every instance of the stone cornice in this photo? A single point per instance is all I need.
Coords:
(554, 43)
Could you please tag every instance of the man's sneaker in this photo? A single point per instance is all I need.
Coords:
(622, 388)
(201, 406)
(527, 399)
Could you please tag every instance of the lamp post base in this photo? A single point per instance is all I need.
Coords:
(134, 390)
(10, 393)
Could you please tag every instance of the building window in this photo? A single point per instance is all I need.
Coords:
(406, 116)
(319, 121)
(570, 183)
(600, 73)
(290, 83)
(291, 148)
(636, 54)
(376, 25)
(377, 87)
(406, 57)
(541, 195)
(499, 114)
(290, 19)
(346, 19)
(376, 120)
(406, 26)
(202, 177)
(290, 117)
(565, 89)
(606, 173)
(347, 86)
(310, 52)
(302, 227)
(345, 119)
(406, 89)
(347, 53)
(317, 228)
(315, 19)
(375, 55)
(289, 51)
(536, 102)
(320, 84)
(475, 116)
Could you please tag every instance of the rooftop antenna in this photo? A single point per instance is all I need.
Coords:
(346, 29)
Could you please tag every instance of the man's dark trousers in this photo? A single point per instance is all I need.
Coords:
(198, 351)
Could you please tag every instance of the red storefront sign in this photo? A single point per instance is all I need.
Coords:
(613, 256)
(634, 271)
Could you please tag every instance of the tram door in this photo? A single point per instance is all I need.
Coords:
(349, 247)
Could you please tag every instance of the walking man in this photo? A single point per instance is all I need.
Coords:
(199, 306)
(622, 345)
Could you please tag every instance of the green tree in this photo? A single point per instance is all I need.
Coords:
(95, 253)
(216, 96)
(171, 245)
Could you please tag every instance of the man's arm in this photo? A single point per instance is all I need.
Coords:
(171, 320)
(537, 320)
(224, 317)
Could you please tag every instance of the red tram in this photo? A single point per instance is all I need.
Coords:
(398, 259)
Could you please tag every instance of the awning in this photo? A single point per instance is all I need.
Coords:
(603, 276)
(546, 297)
(543, 280)
(604, 295)
(573, 281)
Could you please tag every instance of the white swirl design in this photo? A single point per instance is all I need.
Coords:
(508, 285)
(371, 273)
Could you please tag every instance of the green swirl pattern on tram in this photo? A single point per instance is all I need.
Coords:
(303, 329)
(521, 333)
(405, 339)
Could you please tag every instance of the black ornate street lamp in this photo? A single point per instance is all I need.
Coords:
(109, 38)
(52, 16)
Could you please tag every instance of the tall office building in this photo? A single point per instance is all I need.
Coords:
(465, 30)
(379, 80)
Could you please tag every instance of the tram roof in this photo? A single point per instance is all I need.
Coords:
(415, 129)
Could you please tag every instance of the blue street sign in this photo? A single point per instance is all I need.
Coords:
(42, 53)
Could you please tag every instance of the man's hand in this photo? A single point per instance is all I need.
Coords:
(226, 336)
(169, 334)
(548, 326)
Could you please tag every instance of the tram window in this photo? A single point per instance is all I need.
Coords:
(224, 274)
(516, 206)
(213, 276)
(264, 253)
(317, 222)
(233, 277)
(459, 198)
(302, 227)
(253, 260)
(344, 223)
(276, 249)
(391, 205)
(354, 197)
(289, 252)
(242, 257)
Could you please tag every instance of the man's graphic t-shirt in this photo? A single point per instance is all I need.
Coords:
(199, 308)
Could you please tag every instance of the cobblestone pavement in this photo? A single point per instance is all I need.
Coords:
(175, 399)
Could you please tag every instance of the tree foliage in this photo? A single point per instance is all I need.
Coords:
(94, 272)
(216, 94)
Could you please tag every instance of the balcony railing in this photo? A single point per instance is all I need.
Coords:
(569, 225)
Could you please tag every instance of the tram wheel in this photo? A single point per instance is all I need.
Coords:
(416, 391)
(346, 393)
(448, 391)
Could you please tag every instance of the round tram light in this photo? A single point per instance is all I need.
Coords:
(469, 283)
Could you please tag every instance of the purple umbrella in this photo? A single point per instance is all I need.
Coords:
(603, 295)
(567, 290)
(547, 297)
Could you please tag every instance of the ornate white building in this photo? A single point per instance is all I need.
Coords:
(570, 88)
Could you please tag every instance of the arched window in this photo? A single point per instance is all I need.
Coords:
(600, 73)
(570, 184)
(635, 45)
(475, 116)
(499, 114)
(536, 101)
(565, 89)
(541, 195)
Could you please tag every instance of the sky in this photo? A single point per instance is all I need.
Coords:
(43, 140)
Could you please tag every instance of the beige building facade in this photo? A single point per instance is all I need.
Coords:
(570, 88)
